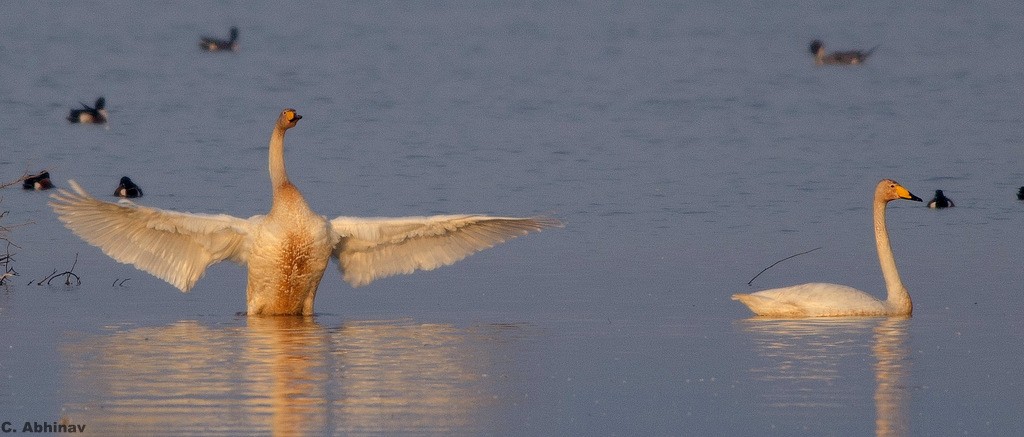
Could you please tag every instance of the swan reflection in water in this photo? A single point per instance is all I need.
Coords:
(285, 375)
(807, 364)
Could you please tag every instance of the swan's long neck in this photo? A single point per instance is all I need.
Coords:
(278, 176)
(898, 299)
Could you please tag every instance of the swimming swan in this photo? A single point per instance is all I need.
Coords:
(285, 251)
(833, 300)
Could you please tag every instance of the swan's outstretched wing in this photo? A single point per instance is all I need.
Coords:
(174, 246)
(372, 248)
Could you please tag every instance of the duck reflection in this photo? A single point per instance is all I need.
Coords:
(285, 375)
(808, 362)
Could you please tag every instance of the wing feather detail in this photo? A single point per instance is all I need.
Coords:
(174, 246)
(378, 247)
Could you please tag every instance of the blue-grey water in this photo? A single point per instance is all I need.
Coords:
(686, 146)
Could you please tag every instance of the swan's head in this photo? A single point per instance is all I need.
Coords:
(889, 189)
(817, 45)
(288, 119)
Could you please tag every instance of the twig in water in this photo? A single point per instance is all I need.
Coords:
(120, 282)
(751, 281)
(45, 278)
(67, 275)
(5, 261)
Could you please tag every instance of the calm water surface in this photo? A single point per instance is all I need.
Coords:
(686, 146)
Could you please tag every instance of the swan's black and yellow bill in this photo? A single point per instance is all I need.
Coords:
(906, 194)
(291, 115)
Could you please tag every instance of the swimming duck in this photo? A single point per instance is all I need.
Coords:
(97, 114)
(940, 201)
(285, 251)
(39, 182)
(216, 45)
(1020, 193)
(127, 189)
(834, 300)
(852, 57)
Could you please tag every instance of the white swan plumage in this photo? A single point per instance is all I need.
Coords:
(834, 300)
(287, 250)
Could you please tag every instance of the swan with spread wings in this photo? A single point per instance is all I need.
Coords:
(287, 250)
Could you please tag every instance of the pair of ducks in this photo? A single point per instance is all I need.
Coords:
(125, 188)
(97, 114)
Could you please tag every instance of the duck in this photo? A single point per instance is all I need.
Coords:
(940, 201)
(127, 189)
(86, 115)
(286, 250)
(218, 45)
(852, 57)
(834, 300)
(1020, 193)
(37, 182)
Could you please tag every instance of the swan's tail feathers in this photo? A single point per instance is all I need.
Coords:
(766, 306)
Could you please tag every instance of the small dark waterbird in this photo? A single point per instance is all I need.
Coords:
(90, 115)
(850, 57)
(38, 182)
(940, 201)
(211, 44)
(128, 189)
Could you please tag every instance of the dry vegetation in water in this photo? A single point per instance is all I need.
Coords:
(7, 272)
(6, 259)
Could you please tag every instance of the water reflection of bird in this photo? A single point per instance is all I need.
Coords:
(211, 44)
(283, 376)
(287, 250)
(852, 57)
(831, 300)
(891, 373)
(40, 182)
(940, 201)
(96, 114)
(126, 188)
(802, 363)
